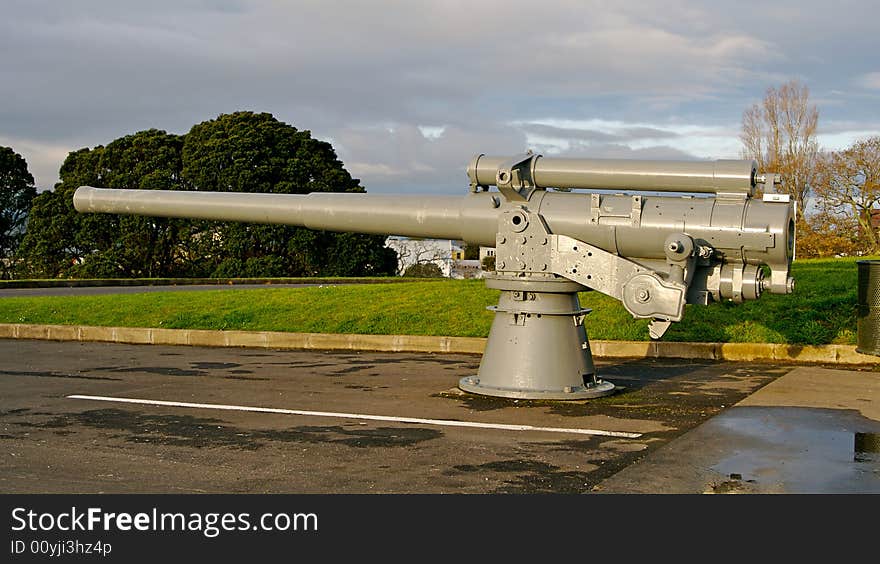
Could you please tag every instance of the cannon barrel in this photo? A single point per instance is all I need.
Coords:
(748, 230)
(708, 177)
(652, 250)
(440, 217)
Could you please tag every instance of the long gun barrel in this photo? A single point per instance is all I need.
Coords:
(440, 217)
(653, 234)
(709, 177)
(734, 225)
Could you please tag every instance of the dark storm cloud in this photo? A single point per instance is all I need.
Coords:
(381, 80)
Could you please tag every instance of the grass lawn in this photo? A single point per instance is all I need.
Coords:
(822, 310)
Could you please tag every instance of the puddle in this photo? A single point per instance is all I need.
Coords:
(48, 374)
(214, 365)
(351, 369)
(866, 447)
(160, 370)
(246, 378)
(203, 432)
(801, 450)
(529, 476)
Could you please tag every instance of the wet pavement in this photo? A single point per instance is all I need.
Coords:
(813, 430)
(765, 450)
(50, 442)
(801, 450)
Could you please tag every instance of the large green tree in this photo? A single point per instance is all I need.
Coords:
(65, 243)
(17, 191)
(254, 152)
(241, 152)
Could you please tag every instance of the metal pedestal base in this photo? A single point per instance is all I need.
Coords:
(600, 388)
(537, 347)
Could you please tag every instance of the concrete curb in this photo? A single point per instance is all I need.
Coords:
(825, 354)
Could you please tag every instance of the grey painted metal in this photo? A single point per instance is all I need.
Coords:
(441, 217)
(868, 324)
(744, 231)
(653, 252)
(537, 346)
(712, 177)
(524, 245)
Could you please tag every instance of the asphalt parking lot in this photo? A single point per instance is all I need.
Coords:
(321, 437)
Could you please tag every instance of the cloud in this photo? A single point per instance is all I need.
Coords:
(447, 77)
(618, 139)
(355, 61)
(623, 133)
(402, 159)
(870, 80)
(43, 159)
(620, 151)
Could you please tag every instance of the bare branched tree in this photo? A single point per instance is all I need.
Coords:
(417, 251)
(848, 187)
(780, 133)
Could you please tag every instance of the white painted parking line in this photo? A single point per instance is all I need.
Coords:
(442, 422)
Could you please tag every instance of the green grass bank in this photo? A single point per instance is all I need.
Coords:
(821, 311)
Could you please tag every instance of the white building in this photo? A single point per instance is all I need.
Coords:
(410, 251)
(466, 269)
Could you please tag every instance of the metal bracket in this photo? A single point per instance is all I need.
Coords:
(474, 186)
(769, 181)
(514, 177)
(526, 248)
(595, 208)
(636, 214)
(643, 292)
(518, 319)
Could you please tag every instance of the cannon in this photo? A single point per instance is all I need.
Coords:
(656, 235)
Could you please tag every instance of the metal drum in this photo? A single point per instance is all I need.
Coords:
(869, 307)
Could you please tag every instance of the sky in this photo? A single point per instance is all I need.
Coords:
(408, 91)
